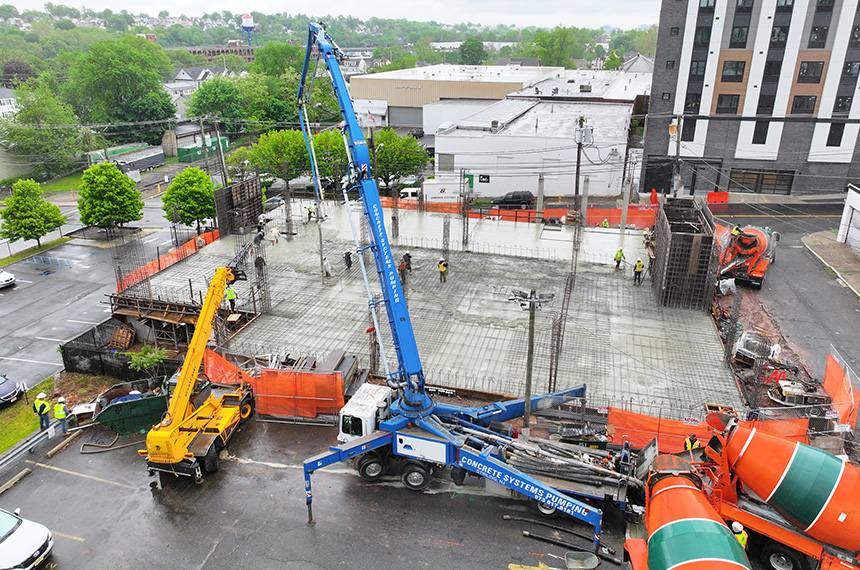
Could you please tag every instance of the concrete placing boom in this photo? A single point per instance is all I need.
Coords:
(419, 432)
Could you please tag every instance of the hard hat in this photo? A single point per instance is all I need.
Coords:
(638, 259)
(41, 396)
(737, 527)
(407, 252)
(60, 400)
(692, 435)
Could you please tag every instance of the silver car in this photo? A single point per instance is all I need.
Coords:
(6, 279)
(23, 544)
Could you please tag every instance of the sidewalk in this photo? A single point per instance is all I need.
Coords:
(838, 257)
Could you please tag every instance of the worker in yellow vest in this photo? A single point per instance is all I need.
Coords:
(60, 414)
(619, 256)
(691, 442)
(604, 223)
(740, 534)
(42, 409)
(231, 298)
(638, 268)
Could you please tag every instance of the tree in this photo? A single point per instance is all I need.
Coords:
(472, 52)
(164, 14)
(28, 215)
(42, 132)
(646, 44)
(184, 58)
(276, 58)
(147, 360)
(281, 154)
(613, 61)
(190, 198)
(8, 11)
(64, 25)
(16, 71)
(216, 96)
(398, 157)
(109, 198)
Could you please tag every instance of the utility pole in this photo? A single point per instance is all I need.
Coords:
(205, 148)
(676, 168)
(530, 301)
(221, 161)
(583, 135)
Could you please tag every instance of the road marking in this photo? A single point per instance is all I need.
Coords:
(50, 339)
(69, 536)
(781, 216)
(80, 322)
(168, 242)
(25, 360)
(150, 240)
(85, 476)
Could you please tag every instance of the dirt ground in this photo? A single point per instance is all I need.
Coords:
(79, 388)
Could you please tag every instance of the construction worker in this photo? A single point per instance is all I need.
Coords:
(273, 234)
(41, 408)
(637, 271)
(736, 231)
(740, 534)
(407, 257)
(691, 442)
(604, 223)
(60, 414)
(326, 267)
(347, 259)
(443, 270)
(310, 212)
(231, 298)
(619, 256)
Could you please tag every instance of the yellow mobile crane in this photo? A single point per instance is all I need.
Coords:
(198, 424)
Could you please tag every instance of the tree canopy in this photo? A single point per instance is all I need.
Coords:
(190, 198)
(472, 52)
(109, 198)
(398, 157)
(27, 215)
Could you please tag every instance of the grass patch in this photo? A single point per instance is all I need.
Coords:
(64, 184)
(30, 251)
(19, 420)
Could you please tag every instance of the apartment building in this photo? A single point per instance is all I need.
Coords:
(764, 94)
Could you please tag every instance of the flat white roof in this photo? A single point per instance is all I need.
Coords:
(603, 84)
(479, 73)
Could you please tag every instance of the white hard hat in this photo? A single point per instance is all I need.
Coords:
(407, 252)
(60, 400)
(737, 527)
(41, 396)
(638, 259)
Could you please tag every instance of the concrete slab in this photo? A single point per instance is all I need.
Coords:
(624, 347)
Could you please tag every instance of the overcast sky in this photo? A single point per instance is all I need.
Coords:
(623, 14)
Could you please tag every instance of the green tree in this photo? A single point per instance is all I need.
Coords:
(109, 198)
(472, 52)
(190, 198)
(147, 360)
(42, 132)
(8, 11)
(398, 157)
(239, 162)
(164, 14)
(16, 71)
(646, 43)
(613, 61)
(184, 58)
(276, 58)
(27, 215)
(281, 154)
(217, 96)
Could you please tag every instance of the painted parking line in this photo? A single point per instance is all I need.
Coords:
(84, 475)
(69, 536)
(50, 339)
(26, 360)
(81, 322)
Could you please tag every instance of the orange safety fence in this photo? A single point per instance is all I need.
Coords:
(638, 215)
(517, 215)
(165, 261)
(843, 394)
(409, 204)
(220, 371)
(291, 393)
(641, 429)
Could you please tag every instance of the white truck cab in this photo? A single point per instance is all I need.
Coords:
(360, 416)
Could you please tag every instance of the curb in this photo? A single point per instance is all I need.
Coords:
(831, 268)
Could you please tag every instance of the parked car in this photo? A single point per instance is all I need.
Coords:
(416, 133)
(23, 543)
(519, 199)
(273, 203)
(9, 391)
(409, 194)
(410, 180)
(6, 279)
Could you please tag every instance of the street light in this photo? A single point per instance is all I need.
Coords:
(375, 170)
(530, 302)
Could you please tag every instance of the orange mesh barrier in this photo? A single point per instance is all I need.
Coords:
(638, 215)
(839, 388)
(795, 430)
(164, 261)
(288, 393)
(409, 204)
(220, 371)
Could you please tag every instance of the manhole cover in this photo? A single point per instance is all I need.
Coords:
(48, 272)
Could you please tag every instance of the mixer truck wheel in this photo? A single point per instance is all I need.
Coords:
(415, 477)
(544, 510)
(775, 556)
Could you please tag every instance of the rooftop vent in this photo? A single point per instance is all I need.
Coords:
(585, 88)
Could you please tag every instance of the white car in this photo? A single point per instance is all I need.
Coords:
(23, 544)
(6, 279)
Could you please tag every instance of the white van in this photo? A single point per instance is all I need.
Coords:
(409, 193)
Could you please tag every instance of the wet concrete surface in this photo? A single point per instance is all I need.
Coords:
(251, 514)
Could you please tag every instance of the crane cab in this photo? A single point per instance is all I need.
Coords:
(360, 416)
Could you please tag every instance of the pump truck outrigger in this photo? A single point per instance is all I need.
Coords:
(198, 424)
(422, 433)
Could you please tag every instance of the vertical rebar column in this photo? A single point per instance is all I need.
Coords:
(732, 331)
(464, 210)
(446, 236)
(373, 351)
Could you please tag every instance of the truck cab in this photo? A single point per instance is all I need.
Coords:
(360, 416)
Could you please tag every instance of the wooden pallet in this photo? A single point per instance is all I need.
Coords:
(122, 338)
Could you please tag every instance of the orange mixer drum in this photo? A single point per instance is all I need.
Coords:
(684, 530)
(811, 488)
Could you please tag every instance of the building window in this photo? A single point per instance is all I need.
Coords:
(850, 70)
(784, 5)
(670, 64)
(688, 130)
(728, 104)
(772, 69)
(702, 37)
(824, 6)
(842, 106)
(691, 104)
(697, 67)
(667, 96)
(854, 40)
(739, 37)
(765, 104)
(707, 4)
(761, 181)
(818, 36)
(733, 71)
(803, 104)
(834, 137)
(745, 5)
(778, 36)
(760, 132)
(674, 31)
(810, 72)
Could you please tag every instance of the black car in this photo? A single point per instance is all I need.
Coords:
(416, 133)
(9, 391)
(519, 199)
(272, 203)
